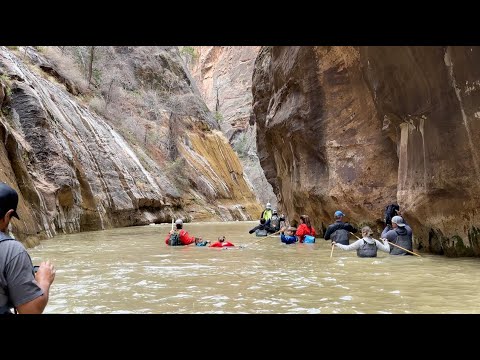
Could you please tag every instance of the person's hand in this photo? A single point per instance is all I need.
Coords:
(333, 242)
(171, 232)
(283, 229)
(46, 272)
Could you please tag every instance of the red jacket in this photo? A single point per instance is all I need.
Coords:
(221, 244)
(184, 238)
(304, 230)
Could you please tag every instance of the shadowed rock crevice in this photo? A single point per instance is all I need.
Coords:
(223, 75)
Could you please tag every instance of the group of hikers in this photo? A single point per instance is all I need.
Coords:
(396, 238)
(179, 236)
(269, 222)
(25, 288)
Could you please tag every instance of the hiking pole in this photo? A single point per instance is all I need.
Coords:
(331, 252)
(255, 241)
(398, 246)
(354, 235)
(172, 223)
(262, 237)
(278, 232)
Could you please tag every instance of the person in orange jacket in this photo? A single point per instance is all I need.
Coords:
(221, 242)
(305, 228)
(183, 237)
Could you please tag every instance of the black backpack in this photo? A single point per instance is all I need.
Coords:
(275, 222)
(175, 239)
(390, 212)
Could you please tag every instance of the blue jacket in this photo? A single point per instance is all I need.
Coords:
(288, 239)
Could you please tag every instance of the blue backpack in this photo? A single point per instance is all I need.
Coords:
(309, 239)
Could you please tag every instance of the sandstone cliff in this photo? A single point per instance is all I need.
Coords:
(223, 75)
(78, 170)
(357, 128)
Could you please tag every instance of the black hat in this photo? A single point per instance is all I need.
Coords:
(8, 200)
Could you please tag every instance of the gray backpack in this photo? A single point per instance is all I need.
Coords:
(261, 232)
(175, 239)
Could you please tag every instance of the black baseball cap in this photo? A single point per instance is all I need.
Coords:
(8, 200)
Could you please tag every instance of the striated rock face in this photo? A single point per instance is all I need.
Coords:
(75, 172)
(223, 75)
(357, 128)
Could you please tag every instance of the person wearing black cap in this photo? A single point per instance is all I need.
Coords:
(20, 288)
(339, 230)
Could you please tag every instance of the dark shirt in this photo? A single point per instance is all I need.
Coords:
(261, 227)
(275, 221)
(16, 274)
(339, 225)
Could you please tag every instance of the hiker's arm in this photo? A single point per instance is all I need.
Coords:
(186, 239)
(385, 231)
(44, 278)
(385, 246)
(329, 232)
(353, 246)
(254, 229)
(350, 227)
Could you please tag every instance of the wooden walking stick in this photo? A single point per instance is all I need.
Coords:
(331, 252)
(398, 246)
(278, 232)
(354, 235)
(262, 237)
